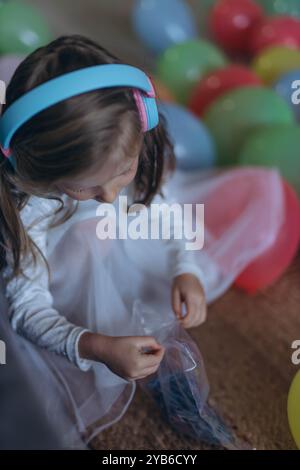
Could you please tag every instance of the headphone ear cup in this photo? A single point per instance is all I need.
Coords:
(143, 113)
(151, 111)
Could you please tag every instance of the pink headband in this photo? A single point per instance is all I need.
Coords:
(141, 106)
(6, 152)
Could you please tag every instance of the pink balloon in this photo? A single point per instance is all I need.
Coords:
(267, 268)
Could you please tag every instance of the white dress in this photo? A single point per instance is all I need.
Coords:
(94, 284)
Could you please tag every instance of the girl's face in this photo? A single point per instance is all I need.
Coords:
(103, 184)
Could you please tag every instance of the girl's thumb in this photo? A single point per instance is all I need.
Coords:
(150, 345)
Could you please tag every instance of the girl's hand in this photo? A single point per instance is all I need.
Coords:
(130, 357)
(187, 289)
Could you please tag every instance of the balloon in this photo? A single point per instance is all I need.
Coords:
(234, 115)
(282, 30)
(273, 62)
(276, 146)
(22, 28)
(193, 145)
(8, 65)
(231, 22)
(284, 88)
(162, 23)
(281, 7)
(216, 83)
(270, 266)
(203, 10)
(293, 408)
(162, 92)
(183, 65)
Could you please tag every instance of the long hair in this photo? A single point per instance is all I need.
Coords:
(69, 137)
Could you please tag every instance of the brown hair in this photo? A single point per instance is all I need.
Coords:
(65, 139)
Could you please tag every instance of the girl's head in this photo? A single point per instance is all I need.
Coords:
(89, 146)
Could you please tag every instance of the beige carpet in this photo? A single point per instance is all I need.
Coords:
(246, 344)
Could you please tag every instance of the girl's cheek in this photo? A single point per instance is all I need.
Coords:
(130, 177)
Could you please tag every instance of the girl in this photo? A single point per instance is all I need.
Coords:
(69, 293)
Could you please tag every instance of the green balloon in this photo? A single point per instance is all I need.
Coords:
(277, 146)
(233, 116)
(22, 28)
(181, 66)
(281, 7)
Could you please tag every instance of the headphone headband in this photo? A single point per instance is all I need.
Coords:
(74, 83)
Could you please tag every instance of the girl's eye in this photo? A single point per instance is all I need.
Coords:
(80, 190)
(74, 190)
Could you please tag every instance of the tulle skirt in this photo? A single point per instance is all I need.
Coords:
(95, 282)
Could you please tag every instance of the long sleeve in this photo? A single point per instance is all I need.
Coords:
(30, 302)
(181, 260)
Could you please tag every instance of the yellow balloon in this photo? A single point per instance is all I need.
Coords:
(294, 409)
(274, 62)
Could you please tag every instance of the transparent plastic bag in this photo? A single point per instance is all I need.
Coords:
(180, 386)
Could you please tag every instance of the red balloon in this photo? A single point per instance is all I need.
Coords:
(265, 270)
(219, 82)
(231, 22)
(275, 31)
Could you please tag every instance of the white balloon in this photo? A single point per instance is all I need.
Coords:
(8, 65)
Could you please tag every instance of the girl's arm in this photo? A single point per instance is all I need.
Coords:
(181, 260)
(30, 301)
(188, 285)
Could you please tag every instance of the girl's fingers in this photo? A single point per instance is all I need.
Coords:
(203, 312)
(149, 345)
(152, 361)
(197, 316)
(146, 373)
(190, 310)
(176, 303)
(150, 370)
(191, 318)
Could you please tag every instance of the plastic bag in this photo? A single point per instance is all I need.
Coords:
(180, 387)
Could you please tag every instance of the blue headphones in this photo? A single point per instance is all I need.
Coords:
(75, 83)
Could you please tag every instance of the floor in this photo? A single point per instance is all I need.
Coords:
(246, 342)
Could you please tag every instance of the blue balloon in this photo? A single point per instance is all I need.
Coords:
(162, 23)
(193, 145)
(288, 87)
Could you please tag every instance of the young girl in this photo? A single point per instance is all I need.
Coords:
(69, 293)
